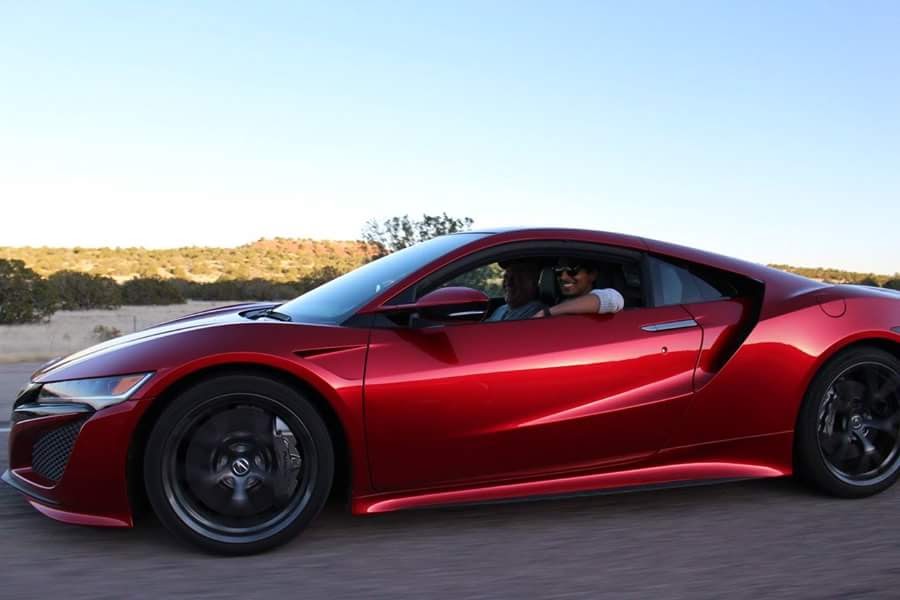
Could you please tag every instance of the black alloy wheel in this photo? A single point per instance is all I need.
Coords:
(238, 464)
(848, 434)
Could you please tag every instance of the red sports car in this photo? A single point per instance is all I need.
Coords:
(393, 384)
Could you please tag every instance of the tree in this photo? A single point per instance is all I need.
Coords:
(869, 281)
(397, 233)
(25, 297)
(150, 290)
(316, 278)
(79, 291)
(893, 284)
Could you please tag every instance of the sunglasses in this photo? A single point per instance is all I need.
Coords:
(570, 271)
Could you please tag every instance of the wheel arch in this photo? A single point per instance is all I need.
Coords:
(340, 441)
(871, 339)
(807, 468)
(835, 350)
(892, 346)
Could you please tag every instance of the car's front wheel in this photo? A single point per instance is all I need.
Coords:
(848, 431)
(238, 464)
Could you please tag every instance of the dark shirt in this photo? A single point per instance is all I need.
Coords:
(526, 311)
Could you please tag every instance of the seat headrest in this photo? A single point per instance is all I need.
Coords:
(547, 287)
(626, 279)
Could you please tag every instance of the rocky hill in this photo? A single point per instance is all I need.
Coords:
(278, 259)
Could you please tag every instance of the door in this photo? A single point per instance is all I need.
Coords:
(464, 403)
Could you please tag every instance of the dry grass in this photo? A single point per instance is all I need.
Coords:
(72, 330)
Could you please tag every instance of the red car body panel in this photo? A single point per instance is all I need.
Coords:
(467, 413)
(328, 359)
(523, 398)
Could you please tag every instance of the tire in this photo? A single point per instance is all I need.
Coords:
(847, 440)
(238, 464)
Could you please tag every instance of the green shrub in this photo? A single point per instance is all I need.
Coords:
(317, 278)
(236, 289)
(869, 281)
(24, 296)
(261, 289)
(79, 291)
(104, 333)
(150, 290)
(893, 284)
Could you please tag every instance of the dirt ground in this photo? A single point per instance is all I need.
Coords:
(71, 330)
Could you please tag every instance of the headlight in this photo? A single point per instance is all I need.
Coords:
(97, 393)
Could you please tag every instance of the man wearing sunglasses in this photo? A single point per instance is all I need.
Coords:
(576, 281)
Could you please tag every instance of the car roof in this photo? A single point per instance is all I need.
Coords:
(561, 233)
(780, 283)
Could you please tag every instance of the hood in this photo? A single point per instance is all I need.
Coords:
(207, 318)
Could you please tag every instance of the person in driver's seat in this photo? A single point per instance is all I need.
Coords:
(520, 290)
(576, 283)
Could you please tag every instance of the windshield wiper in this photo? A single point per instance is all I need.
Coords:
(266, 312)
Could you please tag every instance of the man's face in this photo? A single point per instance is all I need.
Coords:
(520, 284)
(576, 280)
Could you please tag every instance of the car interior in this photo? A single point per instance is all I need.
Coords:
(627, 271)
(620, 273)
(625, 277)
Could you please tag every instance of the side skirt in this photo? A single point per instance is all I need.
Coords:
(754, 457)
(632, 480)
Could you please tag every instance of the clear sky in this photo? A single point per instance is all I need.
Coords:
(764, 130)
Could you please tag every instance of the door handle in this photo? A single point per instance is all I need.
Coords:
(670, 325)
(466, 313)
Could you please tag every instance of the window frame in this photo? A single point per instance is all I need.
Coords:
(517, 249)
(734, 280)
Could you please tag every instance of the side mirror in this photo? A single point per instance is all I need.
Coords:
(447, 304)
(452, 297)
(453, 304)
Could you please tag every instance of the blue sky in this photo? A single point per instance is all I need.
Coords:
(769, 131)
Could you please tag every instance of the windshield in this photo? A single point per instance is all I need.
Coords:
(339, 298)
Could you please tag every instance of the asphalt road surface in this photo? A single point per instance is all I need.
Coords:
(761, 539)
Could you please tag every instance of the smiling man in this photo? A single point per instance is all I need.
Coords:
(576, 283)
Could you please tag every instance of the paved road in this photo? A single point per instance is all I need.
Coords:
(764, 539)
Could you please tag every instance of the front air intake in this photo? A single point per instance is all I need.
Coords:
(51, 451)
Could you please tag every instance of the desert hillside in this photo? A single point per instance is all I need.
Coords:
(278, 259)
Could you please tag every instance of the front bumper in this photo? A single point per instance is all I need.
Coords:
(70, 461)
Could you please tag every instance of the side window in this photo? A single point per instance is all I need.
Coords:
(620, 274)
(680, 284)
(618, 268)
(486, 278)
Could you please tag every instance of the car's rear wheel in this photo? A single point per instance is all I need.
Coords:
(238, 464)
(848, 430)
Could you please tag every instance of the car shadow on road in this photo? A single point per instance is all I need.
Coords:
(335, 525)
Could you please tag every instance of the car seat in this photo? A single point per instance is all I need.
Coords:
(624, 278)
(548, 289)
(631, 288)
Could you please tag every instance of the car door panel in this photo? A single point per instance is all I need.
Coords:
(493, 401)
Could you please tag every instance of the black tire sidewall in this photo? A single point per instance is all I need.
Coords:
(809, 461)
(203, 391)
